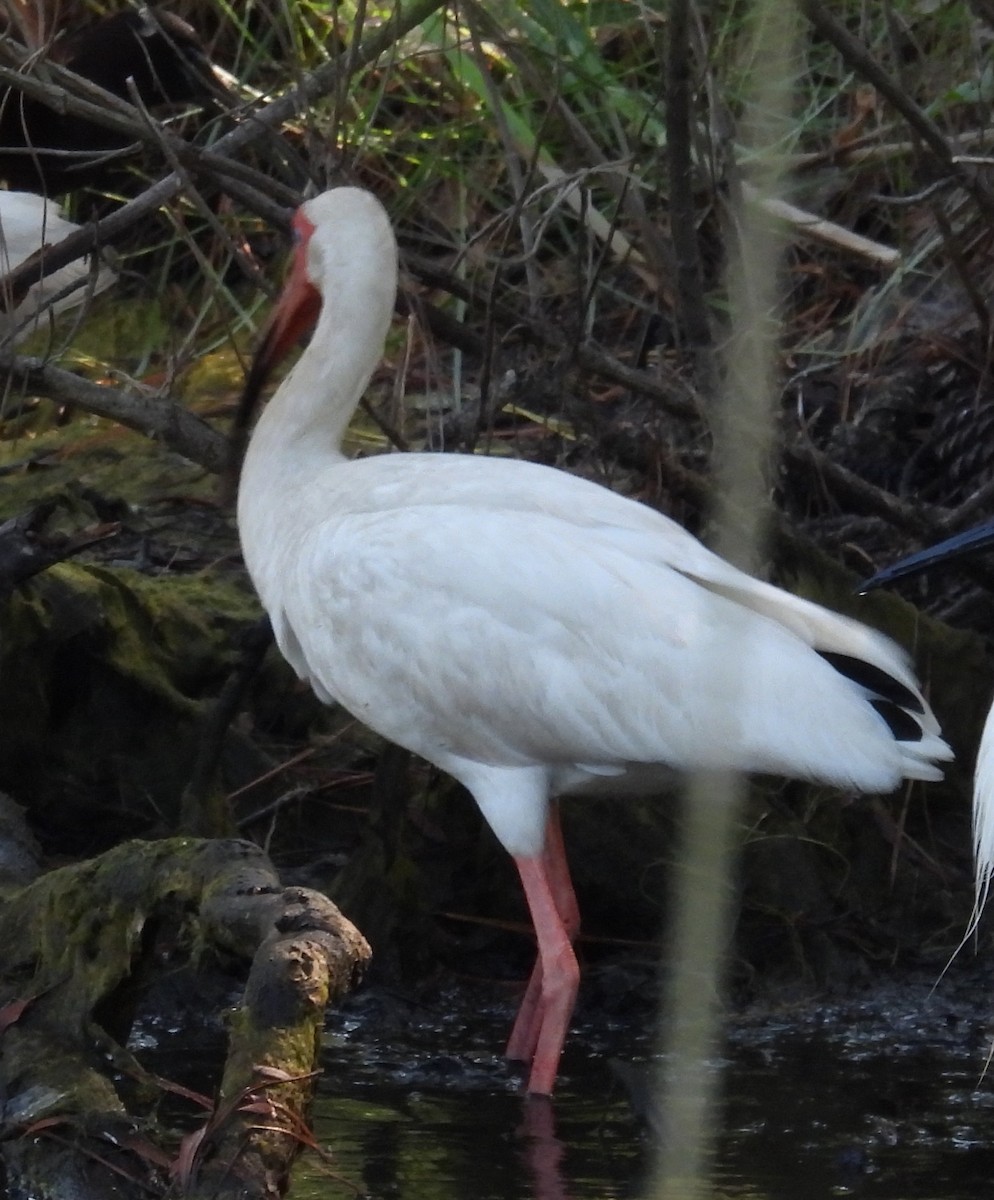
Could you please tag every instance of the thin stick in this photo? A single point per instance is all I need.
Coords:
(704, 891)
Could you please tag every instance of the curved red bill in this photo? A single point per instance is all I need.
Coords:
(293, 315)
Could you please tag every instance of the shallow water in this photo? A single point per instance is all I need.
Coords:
(876, 1098)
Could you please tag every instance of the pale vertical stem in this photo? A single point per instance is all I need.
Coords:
(703, 918)
(703, 886)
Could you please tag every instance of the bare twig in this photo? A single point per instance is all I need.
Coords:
(863, 497)
(862, 61)
(219, 160)
(154, 415)
(672, 393)
(689, 275)
(703, 903)
(806, 224)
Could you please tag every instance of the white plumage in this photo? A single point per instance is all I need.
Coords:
(528, 631)
(983, 814)
(28, 225)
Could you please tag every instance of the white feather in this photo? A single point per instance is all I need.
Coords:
(526, 630)
(983, 815)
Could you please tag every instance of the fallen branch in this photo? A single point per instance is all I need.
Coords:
(147, 412)
(84, 947)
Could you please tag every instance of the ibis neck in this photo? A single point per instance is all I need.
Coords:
(295, 442)
(312, 408)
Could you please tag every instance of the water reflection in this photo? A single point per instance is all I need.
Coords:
(428, 1111)
(543, 1151)
(878, 1099)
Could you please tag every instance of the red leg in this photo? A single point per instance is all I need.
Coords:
(528, 1022)
(558, 868)
(524, 1032)
(540, 1027)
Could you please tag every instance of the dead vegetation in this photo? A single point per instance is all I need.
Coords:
(561, 180)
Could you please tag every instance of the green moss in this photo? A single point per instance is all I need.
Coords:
(219, 374)
(107, 674)
(95, 458)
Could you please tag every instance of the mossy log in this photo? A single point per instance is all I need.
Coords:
(110, 677)
(85, 946)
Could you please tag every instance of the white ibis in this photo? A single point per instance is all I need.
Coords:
(961, 545)
(529, 632)
(29, 225)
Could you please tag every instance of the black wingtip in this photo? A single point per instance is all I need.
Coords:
(875, 680)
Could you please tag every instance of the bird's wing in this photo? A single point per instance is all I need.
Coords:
(513, 636)
(581, 508)
(653, 537)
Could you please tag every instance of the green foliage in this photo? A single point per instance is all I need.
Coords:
(557, 107)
